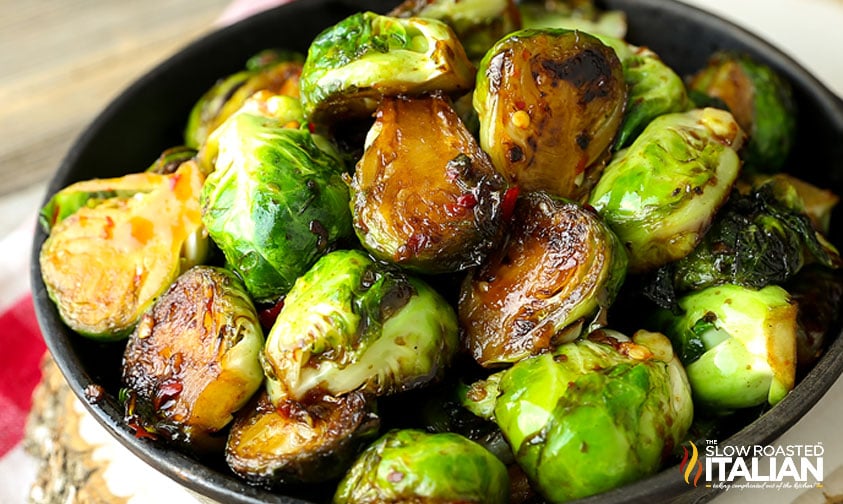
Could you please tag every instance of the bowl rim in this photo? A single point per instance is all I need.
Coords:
(197, 477)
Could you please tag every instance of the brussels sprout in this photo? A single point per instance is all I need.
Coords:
(170, 160)
(661, 193)
(596, 413)
(299, 443)
(275, 71)
(364, 57)
(738, 345)
(817, 202)
(818, 293)
(274, 202)
(414, 466)
(117, 244)
(478, 24)
(560, 268)
(550, 103)
(352, 324)
(761, 102)
(425, 196)
(193, 359)
(580, 15)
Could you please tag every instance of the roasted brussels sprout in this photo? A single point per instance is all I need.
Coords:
(117, 244)
(550, 103)
(274, 202)
(193, 359)
(560, 268)
(818, 292)
(352, 324)
(817, 202)
(661, 193)
(424, 194)
(580, 15)
(478, 24)
(738, 345)
(170, 160)
(761, 102)
(414, 466)
(299, 443)
(364, 57)
(595, 413)
(275, 71)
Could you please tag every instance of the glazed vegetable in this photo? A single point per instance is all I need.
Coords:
(170, 160)
(299, 443)
(424, 195)
(818, 292)
(364, 57)
(661, 193)
(738, 345)
(761, 102)
(275, 71)
(580, 15)
(550, 103)
(117, 244)
(274, 203)
(595, 413)
(414, 466)
(817, 203)
(559, 270)
(478, 24)
(352, 324)
(193, 361)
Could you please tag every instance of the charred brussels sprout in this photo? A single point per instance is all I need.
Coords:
(761, 102)
(477, 23)
(560, 268)
(352, 324)
(550, 103)
(738, 345)
(299, 443)
(580, 15)
(277, 72)
(594, 414)
(425, 195)
(193, 359)
(661, 193)
(354, 63)
(117, 244)
(274, 203)
(414, 466)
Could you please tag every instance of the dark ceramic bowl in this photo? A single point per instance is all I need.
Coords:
(150, 115)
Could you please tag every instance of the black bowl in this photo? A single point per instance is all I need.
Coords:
(149, 116)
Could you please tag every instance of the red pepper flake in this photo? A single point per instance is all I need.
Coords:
(169, 390)
(140, 430)
(467, 200)
(510, 197)
(267, 316)
(311, 127)
(520, 105)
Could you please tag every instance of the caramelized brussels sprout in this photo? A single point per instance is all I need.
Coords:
(738, 345)
(478, 24)
(364, 57)
(550, 103)
(193, 359)
(352, 324)
(580, 15)
(425, 196)
(275, 71)
(559, 270)
(661, 193)
(299, 443)
(761, 102)
(595, 413)
(414, 466)
(116, 244)
(818, 203)
(274, 203)
(170, 160)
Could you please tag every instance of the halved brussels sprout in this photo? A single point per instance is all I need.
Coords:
(477, 23)
(193, 359)
(761, 102)
(560, 268)
(274, 203)
(580, 15)
(414, 466)
(364, 57)
(275, 71)
(117, 244)
(425, 196)
(661, 193)
(550, 103)
(352, 324)
(817, 203)
(595, 413)
(299, 443)
(738, 345)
